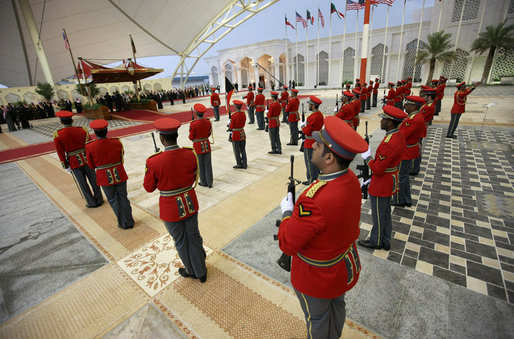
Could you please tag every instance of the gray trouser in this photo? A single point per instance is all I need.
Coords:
(205, 164)
(117, 197)
(375, 97)
(293, 127)
(403, 195)
(416, 166)
(454, 122)
(216, 110)
(81, 173)
(251, 115)
(382, 225)
(363, 105)
(240, 152)
(260, 119)
(325, 317)
(437, 107)
(189, 244)
(284, 115)
(274, 136)
(368, 102)
(312, 171)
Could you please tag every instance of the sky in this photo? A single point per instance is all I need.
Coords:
(269, 25)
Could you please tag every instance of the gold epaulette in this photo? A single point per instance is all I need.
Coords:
(388, 138)
(90, 141)
(153, 155)
(56, 134)
(187, 147)
(314, 188)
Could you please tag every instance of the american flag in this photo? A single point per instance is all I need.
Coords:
(385, 2)
(351, 6)
(299, 18)
(66, 43)
(320, 18)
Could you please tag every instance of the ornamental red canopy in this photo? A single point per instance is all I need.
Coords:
(128, 71)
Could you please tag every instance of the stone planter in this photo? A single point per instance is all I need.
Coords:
(101, 113)
(150, 106)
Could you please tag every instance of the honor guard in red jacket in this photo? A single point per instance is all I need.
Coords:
(215, 103)
(105, 156)
(369, 93)
(347, 111)
(459, 106)
(320, 231)
(439, 93)
(356, 108)
(293, 116)
(363, 97)
(412, 129)
(274, 124)
(199, 132)
(375, 92)
(427, 110)
(408, 86)
(250, 105)
(237, 124)
(260, 106)
(174, 173)
(391, 95)
(313, 123)
(384, 181)
(398, 96)
(284, 98)
(70, 142)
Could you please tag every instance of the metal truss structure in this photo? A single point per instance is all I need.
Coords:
(237, 12)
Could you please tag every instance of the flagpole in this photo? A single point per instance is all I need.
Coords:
(440, 15)
(370, 44)
(329, 46)
(417, 45)
(287, 59)
(73, 61)
(365, 42)
(400, 46)
(355, 57)
(341, 78)
(317, 74)
(478, 35)
(458, 33)
(134, 57)
(296, 56)
(382, 69)
(306, 66)
(88, 90)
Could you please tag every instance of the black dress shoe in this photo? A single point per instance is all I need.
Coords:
(452, 136)
(272, 152)
(414, 174)
(183, 272)
(279, 152)
(366, 243)
(398, 205)
(408, 205)
(306, 182)
(386, 247)
(203, 278)
(236, 166)
(203, 185)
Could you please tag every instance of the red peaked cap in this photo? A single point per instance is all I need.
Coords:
(393, 113)
(64, 114)
(98, 124)
(238, 102)
(413, 99)
(340, 138)
(199, 108)
(166, 125)
(315, 100)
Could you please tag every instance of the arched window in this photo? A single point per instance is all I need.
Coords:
(470, 10)
(377, 56)
(323, 68)
(457, 68)
(349, 54)
(214, 74)
(408, 64)
(300, 72)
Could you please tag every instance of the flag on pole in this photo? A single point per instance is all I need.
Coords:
(320, 18)
(289, 24)
(229, 90)
(334, 10)
(133, 45)
(310, 18)
(385, 2)
(299, 18)
(66, 43)
(352, 6)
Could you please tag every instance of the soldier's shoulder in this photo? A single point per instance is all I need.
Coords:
(314, 188)
(153, 155)
(388, 138)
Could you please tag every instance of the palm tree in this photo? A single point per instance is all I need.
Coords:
(492, 38)
(438, 49)
(45, 90)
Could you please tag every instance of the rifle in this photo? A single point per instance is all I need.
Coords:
(228, 129)
(266, 128)
(192, 114)
(155, 144)
(384, 101)
(285, 261)
(302, 135)
(364, 169)
(337, 103)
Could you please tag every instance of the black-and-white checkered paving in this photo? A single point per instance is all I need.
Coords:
(461, 225)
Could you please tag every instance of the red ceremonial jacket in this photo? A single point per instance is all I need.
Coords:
(384, 182)
(370, 91)
(356, 110)
(439, 92)
(320, 236)
(70, 144)
(428, 111)
(105, 155)
(346, 113)
(364, 93)
(313, 123)
(215, 99)
(174, 173)
(292, 109)
(412, 129)
(398, 96)
(249, 99)
(237, 124)
(459, 100)
(260, 106)
(408, 86)
(284, 97)
(274, 115)
(199, 132)
(391, 95)
(375, 87)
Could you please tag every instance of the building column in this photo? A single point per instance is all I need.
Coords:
(38, 46)
(256, 75)
(276, 68)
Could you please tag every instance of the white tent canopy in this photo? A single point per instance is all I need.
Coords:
(99, 30)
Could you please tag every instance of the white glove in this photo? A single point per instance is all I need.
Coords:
(287, 203)
(366, 154)
(228, 123)
(266, 112)
(302, 124)
(68, 169)
(335, 109)
(365, 182)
